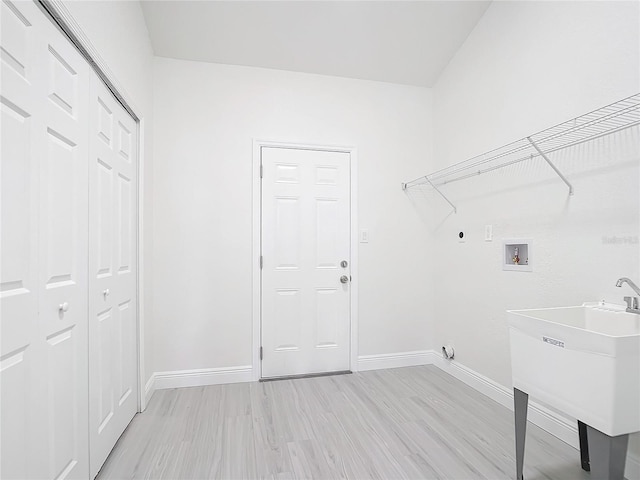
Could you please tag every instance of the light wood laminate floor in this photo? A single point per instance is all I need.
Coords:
(415, 422)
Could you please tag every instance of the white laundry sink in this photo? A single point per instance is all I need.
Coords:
(583, 360)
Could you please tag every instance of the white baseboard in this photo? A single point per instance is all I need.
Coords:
(203, 376)
(149, 389)
(553, 422)
(394, 360)
(632, 468)
(556, 424)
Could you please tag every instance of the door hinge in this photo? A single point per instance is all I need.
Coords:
(261, 261)
(261, 171)
(260, 353)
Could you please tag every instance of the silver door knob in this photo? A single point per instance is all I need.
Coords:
(344, 279)
(63, 307)
(344, 264)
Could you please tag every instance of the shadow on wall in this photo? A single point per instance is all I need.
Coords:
(432, 209)
(610, 155)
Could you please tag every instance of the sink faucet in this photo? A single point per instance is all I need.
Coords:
(623, 280)
(632, 303)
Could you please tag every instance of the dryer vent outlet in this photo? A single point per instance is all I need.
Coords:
(448, 352)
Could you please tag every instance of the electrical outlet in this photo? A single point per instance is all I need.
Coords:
(488, 233)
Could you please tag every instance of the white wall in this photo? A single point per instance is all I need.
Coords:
(528, 66)
(206, 118)
(119, 33)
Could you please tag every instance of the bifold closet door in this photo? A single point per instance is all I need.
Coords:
(112, 272)
(43, 284)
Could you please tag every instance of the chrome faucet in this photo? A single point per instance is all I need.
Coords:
(623, 280)
(632, 302)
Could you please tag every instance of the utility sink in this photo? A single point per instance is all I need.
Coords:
(583, 360)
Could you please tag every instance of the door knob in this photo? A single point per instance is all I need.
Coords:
(63, 307)
(344, 279)
(344, 264)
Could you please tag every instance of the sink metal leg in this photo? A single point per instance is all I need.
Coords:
(520, 405)
(608, 454)
(584, 446)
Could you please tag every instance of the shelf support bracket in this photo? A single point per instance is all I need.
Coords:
(455, 210)
(555, 169)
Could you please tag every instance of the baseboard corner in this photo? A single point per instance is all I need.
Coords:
(632, 469)
(149, 389)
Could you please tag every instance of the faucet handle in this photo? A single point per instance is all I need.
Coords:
(629, 301)
(635, 303)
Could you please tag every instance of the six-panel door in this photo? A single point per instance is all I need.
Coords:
(21, 348)
(305, 237)
(45, 230)
(44, 249)
(113, 389)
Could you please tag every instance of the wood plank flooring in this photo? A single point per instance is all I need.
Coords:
(415, 422)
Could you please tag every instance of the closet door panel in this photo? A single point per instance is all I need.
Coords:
(104, 251)
(63, 211)
(18, 231)
(112, 267)
(128, 377)
(102, 317)
(21, 455)
(126, 205)
(125, 240)
(103, 350)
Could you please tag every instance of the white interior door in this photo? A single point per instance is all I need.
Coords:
(112, 272)
(305, 237)
(63, 191)
(21, 347)
(44, 250)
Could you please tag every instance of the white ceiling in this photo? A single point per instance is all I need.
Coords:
(391, 41)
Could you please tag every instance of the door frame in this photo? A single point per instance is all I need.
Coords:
(61, 17)
(256, 194)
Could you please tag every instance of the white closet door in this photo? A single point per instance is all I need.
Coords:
(20, 346)
(112, 270)
(63, 190)
(44, 249)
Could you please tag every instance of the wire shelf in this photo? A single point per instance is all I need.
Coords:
(598, 123)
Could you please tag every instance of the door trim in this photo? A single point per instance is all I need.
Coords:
(61, 17)
(256, 194)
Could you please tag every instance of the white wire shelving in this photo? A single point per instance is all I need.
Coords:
(598, 123)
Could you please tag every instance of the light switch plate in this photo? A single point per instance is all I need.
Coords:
(488, 233)
(364, 236)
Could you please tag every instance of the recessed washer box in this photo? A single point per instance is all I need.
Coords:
(517, 255)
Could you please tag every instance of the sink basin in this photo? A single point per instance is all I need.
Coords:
(583, 360)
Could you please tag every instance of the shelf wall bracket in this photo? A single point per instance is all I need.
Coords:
(455, 210)
(555, 169)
